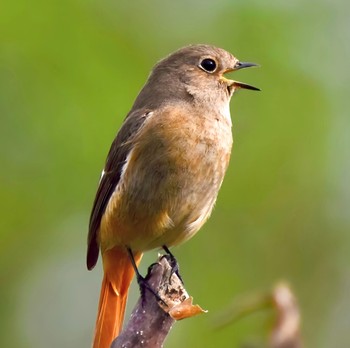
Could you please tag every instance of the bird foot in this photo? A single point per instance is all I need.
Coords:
(173, 263)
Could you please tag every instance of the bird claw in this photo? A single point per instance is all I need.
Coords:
(173, 263)
(143, 285)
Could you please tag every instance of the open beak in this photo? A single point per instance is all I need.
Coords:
(242, 65)
(236, 84)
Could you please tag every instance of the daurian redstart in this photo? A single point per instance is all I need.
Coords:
(163, 170)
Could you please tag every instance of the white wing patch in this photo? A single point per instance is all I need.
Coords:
(102, 175)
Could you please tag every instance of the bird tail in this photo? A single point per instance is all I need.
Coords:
(118, 274)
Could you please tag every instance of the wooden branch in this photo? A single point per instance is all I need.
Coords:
(151, 321)
(286, 332)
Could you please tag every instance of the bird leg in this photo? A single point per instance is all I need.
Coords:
(142, 281)
(173, 263)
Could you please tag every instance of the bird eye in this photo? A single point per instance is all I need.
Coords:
(208, 65)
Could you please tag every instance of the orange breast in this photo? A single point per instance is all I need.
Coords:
(170, 181)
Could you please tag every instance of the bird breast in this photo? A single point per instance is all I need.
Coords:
(172, 176)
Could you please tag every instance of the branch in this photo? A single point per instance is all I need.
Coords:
(286, 329)
(286, 333)
(151, 321)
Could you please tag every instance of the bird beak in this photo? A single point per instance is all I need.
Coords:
(236, 84)
(242, 65)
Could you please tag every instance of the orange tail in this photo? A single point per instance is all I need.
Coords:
(118, 273)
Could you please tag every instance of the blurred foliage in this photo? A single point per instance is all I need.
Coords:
(69, 71)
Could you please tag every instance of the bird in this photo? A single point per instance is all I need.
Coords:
(163, 171)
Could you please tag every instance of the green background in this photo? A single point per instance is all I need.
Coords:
(69, 72)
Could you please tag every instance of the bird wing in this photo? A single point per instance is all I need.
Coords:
(110, 177)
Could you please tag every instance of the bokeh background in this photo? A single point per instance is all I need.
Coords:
(69, 72)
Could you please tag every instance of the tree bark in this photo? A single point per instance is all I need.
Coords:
(151, 320)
